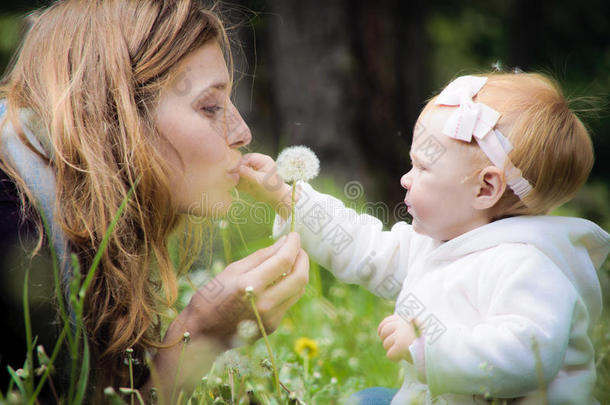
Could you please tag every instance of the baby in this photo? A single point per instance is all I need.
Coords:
(494, 299)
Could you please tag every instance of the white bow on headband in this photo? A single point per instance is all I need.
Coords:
(478, 120)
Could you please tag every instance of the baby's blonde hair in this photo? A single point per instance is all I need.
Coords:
(552, 147)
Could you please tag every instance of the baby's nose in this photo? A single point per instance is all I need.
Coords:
(405, 181)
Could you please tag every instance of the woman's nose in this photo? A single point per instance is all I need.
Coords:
(405, 180)
(238, 133)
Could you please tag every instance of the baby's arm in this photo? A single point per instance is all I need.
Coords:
(530, 301)
(353, 246)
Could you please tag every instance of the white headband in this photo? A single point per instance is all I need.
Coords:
(479, 120)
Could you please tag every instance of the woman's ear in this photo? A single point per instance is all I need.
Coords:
(489, 188)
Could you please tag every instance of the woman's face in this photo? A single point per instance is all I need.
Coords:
(201, 131)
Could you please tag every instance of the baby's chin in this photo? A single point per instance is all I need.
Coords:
(421, 230)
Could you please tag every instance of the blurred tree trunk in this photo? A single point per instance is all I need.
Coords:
(346, 78)
(310, 67)
(389, 44)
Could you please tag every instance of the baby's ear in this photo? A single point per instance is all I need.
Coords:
(489, 188)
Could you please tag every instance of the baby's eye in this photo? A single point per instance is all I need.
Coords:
(417, 166)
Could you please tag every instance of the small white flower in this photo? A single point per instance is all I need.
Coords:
(297, 163)
(223, 224)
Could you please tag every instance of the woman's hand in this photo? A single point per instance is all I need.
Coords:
(259, 178)
(397, 335)
(278, 274)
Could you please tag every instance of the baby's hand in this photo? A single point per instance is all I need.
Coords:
(397, 335)
(259, 178)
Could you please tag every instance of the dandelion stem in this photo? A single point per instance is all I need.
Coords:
(294, 187)
(264, 333)
(232, 385)
(306, 364)
(171, 397)
(226, 244)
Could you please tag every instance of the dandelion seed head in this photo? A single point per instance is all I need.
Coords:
(297, 163)
(247, 330)
(338, 354)
(232, 360)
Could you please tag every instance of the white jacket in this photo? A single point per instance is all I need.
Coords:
(484, 299)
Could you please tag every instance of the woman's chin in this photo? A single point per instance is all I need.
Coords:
(208, 208)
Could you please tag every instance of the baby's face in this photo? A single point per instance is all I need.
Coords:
(440, 185)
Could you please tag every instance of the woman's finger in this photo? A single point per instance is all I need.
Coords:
(280, 262)
(274, 318)
(249, 262)
(286, 286)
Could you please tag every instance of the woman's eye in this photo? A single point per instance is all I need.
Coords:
(212, 109)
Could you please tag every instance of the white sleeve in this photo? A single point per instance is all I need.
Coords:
(352, 246)
(531, 301)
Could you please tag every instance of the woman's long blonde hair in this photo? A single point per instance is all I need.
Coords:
(92, 71)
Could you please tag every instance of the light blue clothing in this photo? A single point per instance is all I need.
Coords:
(372, 396)
(38, 176)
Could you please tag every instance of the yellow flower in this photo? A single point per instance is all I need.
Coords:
(306, 347)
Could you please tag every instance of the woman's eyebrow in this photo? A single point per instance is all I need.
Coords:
(219, 86)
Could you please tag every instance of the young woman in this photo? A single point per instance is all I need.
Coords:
(105, 96)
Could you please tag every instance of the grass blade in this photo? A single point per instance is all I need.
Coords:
(16, 379)
(102, 248)
(29, 359)
(84, 374)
